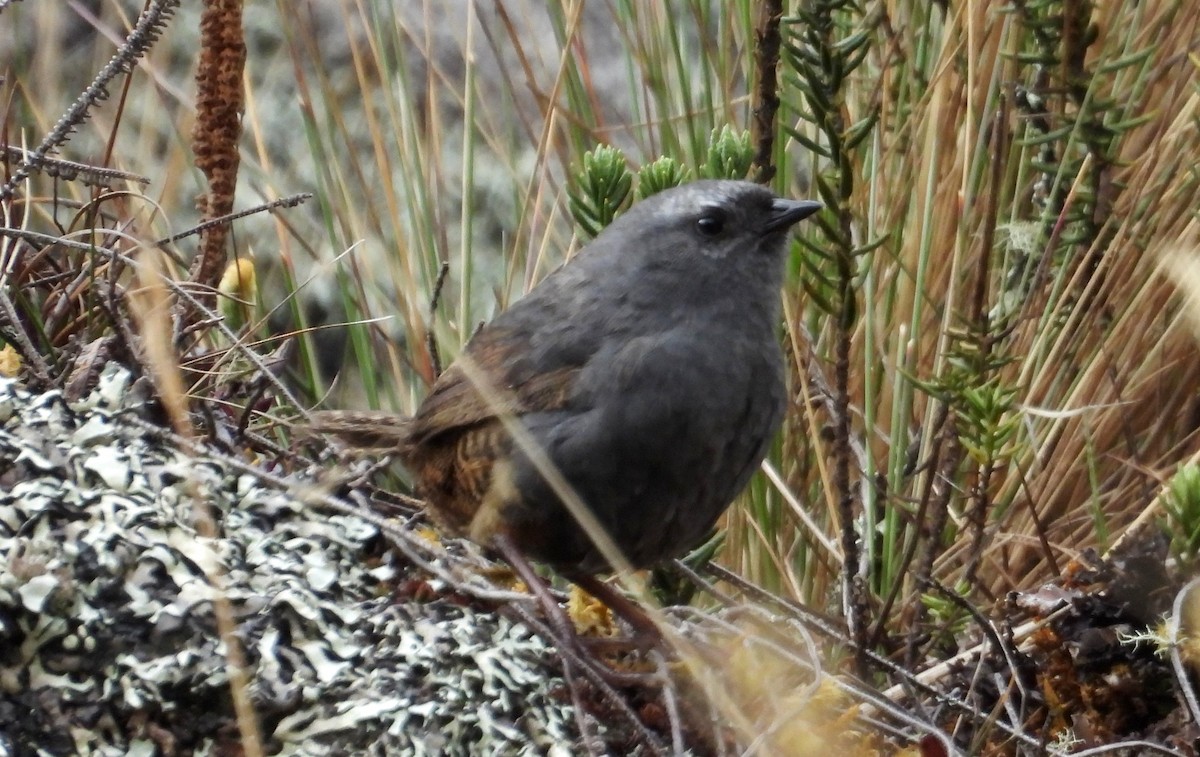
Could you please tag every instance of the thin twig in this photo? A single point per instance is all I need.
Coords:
(67, 170)
(141, 38)
(919, 682)
(1184, 599)
(989, 630)
(435, 357)
(941, 487)
(290, 201)
(910, 549)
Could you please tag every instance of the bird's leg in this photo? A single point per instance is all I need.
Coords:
(554, 613)
(563, 628)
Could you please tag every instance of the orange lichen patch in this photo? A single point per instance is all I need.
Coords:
(590, 616)
(505, 578)
(1094, 683)
(429, 534)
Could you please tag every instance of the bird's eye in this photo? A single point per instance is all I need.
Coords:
(711, 222)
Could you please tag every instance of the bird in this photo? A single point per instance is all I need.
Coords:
(645, 374)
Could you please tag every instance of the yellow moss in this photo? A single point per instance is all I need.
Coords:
(590, 616)
(10, 361)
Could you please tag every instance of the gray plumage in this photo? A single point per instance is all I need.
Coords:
(648, 369)
(681, 386)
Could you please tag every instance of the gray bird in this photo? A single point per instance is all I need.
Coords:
(647, 369)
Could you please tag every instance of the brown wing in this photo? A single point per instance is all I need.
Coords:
(490, 380)
(457, 445)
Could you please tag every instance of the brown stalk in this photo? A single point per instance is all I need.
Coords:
(942, 489)
(766, 91)
(219, 105)
(981, 324)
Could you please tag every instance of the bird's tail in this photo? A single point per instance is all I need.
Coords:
(361, 429)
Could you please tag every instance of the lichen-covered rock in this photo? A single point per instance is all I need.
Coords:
(108, 643)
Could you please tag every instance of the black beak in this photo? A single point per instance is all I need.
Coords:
(784, 213)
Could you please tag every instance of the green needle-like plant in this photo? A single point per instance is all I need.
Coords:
(730, 155)
(660, 174)
(602, 189)
(1182, 505)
